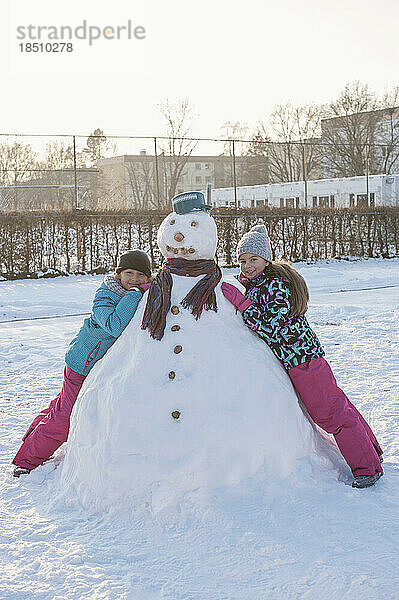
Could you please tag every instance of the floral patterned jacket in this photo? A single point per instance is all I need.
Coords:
(290, 338)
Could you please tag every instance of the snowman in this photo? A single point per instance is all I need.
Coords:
(187, 398)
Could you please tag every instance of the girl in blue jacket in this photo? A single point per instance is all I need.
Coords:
(114, 305)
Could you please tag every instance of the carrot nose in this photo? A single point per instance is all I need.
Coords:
(179, 237)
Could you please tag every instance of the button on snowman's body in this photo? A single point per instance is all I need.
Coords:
(207, 405)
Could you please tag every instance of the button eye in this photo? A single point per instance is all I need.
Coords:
(194, 223)
(172, 222)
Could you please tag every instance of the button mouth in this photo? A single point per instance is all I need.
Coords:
(181, 250)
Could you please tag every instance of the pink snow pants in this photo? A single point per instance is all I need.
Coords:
(329, 408)
(50, 428)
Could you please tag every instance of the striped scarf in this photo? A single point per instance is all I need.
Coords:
(201, 296)
(114, 284)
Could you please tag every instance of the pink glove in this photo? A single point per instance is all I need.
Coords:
(145, 286)
(234, 296)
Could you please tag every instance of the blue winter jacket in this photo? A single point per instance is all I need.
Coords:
(110, 314)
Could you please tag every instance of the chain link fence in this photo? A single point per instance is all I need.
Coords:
(47, 173)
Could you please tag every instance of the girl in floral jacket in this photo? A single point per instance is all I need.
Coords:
(114, 305)
(274, 306)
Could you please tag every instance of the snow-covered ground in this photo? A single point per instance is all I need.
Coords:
(311, 540)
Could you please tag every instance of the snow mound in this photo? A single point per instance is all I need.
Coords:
(239, 415)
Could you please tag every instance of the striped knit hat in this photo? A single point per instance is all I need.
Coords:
(255, 241)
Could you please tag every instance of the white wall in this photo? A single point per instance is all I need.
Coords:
(384, 187)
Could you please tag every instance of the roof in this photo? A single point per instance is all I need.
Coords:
(382, 114)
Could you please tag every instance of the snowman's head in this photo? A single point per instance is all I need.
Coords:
(192, 236)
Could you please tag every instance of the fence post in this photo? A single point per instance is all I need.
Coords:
(234, 177)
(157, 173)
(75, 175)
(305, 175)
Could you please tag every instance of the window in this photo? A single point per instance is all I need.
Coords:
(197, 166)
(332, 201)
(351, 200)
(314, 201)
(207, 166)
(372, 199)
(259, 203)
(208, 179)
(361, 200)
(281, 202)
(324, 201)
(290, 202)
(198, 179)
(297, 202)
(266, 202)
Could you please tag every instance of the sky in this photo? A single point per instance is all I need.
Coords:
(233, 60)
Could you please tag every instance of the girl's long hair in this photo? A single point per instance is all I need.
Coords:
(297, 285)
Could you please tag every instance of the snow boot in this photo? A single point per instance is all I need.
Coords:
(363, 481)
(18, 471)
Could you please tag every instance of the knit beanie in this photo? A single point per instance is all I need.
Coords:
(255, 241)
(134, 259)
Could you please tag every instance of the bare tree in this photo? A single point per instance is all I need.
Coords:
(17, 164)
(111, 194)
(234, 130)
(297, 153)
(348, 131)
(387, 134)
(58, 155)
(57, 168)
(235, 135)
(176, 150)
(257, 165)
(142, 184)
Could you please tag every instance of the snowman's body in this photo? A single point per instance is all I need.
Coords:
(207, 405)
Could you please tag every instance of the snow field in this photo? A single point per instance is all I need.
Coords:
(310, 536)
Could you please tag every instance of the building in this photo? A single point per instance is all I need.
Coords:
(356, 192)
(360, 142)
(130, 181)
(143, 181)
(54, 190)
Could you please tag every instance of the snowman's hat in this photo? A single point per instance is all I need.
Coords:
(189, 202)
